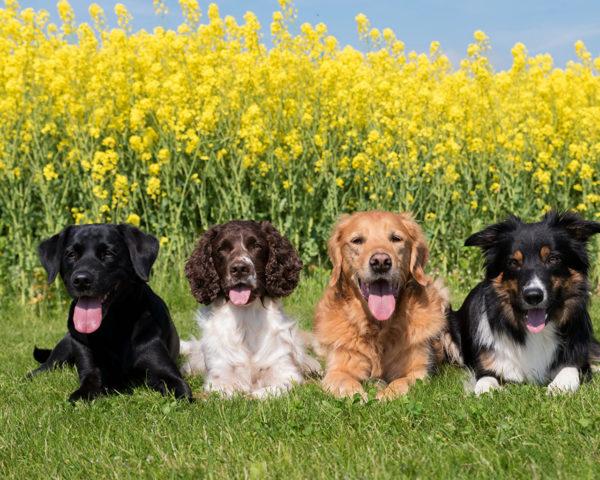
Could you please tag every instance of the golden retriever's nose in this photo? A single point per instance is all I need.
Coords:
(380, 262)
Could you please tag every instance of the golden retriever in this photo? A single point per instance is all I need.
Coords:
(381, 316)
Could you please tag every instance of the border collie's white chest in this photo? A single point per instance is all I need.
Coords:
(516, 362)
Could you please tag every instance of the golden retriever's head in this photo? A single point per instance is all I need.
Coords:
(376, 254)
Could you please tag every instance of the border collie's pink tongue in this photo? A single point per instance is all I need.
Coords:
(536, 320)
(381, 300)
(87, 316)
(240, 295)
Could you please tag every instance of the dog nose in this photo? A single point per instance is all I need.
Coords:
(533, 295)
(82, 281)
(380, 262)
(239, 269)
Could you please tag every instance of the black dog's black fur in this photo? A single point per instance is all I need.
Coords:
(136, 340)
(553, 252)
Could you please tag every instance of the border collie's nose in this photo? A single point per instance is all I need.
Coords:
(82, 281)
(239, 268)
(380, 262)
(533, 295)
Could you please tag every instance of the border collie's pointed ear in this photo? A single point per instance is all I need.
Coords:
(50, 252)
(143, 249)
(577, 227)
(487, 237)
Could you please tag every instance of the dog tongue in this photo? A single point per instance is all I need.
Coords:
(87, 316)
(536, 320)
(239, 295)
(381, 300)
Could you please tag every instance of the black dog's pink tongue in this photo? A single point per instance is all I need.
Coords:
(536, 320)
(240, 295)
(381, 300)
(87, 316)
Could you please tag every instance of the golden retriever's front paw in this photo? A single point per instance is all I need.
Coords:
(393, 390)
(345, 386)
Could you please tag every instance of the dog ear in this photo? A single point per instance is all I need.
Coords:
(489, 236)
(143, 249)
(283, 266)
(419, 253)
(200, 269)
(51, 251)
(577, 227)
(334, 250)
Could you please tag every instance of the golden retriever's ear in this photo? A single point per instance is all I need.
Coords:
(419, 253)
(334, 249)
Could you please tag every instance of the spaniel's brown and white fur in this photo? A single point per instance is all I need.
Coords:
(240, 270)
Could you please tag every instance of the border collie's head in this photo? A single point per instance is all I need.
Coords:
(536, 268)
(240, 261)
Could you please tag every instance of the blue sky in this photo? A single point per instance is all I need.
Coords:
(543, 25)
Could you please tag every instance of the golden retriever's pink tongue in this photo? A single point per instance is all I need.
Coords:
(382, 302)
(239, 295)
(87, 316)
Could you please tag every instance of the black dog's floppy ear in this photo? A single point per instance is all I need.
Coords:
(143, 249)
(283, 266)
(200, 269)
(577, 227)
(50, 252)
(487, 237)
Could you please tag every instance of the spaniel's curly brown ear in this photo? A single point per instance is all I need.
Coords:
(419, 253)
(200, 269)
(334, 250)
(283, 267)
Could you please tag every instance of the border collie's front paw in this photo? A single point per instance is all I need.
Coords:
(486, 385)
(566, 381)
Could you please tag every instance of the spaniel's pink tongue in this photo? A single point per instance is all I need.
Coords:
(536, 320)
(87, 316)
(381, 300)
(240, 295)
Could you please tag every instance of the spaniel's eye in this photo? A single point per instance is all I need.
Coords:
(513, 263)
(553, 259)
(225, 248)
(357, 240)
(396, 238)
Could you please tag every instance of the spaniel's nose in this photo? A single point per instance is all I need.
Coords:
(239, 269)
(380, 262)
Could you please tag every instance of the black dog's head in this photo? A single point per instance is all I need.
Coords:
(241, 261)
(94, 261)
(537, 267)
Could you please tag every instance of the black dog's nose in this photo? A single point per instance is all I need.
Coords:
(82, 281)
(380, 262)
(239, 269)
(533, 295)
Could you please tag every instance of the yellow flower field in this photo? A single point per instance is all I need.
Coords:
(176, 130)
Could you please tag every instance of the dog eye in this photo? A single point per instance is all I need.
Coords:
(225, 248)
(396, 238)
(512, 263)
(357, 241)
(71, 255)
(553, 260)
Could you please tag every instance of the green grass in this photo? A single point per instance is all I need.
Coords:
(436, 431)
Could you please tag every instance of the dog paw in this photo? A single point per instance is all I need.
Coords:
(84, 394)
(566, 381)
(344, 388)
(182, 391)
(269, 392)
(486, 385)
(392, 391)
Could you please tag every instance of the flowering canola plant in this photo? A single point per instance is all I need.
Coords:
(176, 130)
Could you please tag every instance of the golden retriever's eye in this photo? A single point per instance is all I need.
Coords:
(395, 238)
(357, 240)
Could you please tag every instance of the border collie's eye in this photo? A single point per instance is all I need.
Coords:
(396, 238)
(513, 263)
(553, 259)
(357, 240)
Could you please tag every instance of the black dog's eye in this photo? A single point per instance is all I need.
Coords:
(71, 254)
(512, 263)
(357, 240)
(396, 238)
(553, 259)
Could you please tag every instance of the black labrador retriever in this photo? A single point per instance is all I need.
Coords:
(120, 332)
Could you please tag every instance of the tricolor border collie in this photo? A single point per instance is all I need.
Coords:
(528, 320)
(241, 270)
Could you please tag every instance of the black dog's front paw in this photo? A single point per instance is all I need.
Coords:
(183, 391)
(84, 394)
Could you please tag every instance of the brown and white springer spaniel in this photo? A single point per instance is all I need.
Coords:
(240, 270)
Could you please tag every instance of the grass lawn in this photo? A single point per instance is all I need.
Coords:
(435, 431)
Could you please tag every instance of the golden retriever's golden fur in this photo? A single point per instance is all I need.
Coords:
(401, 349)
